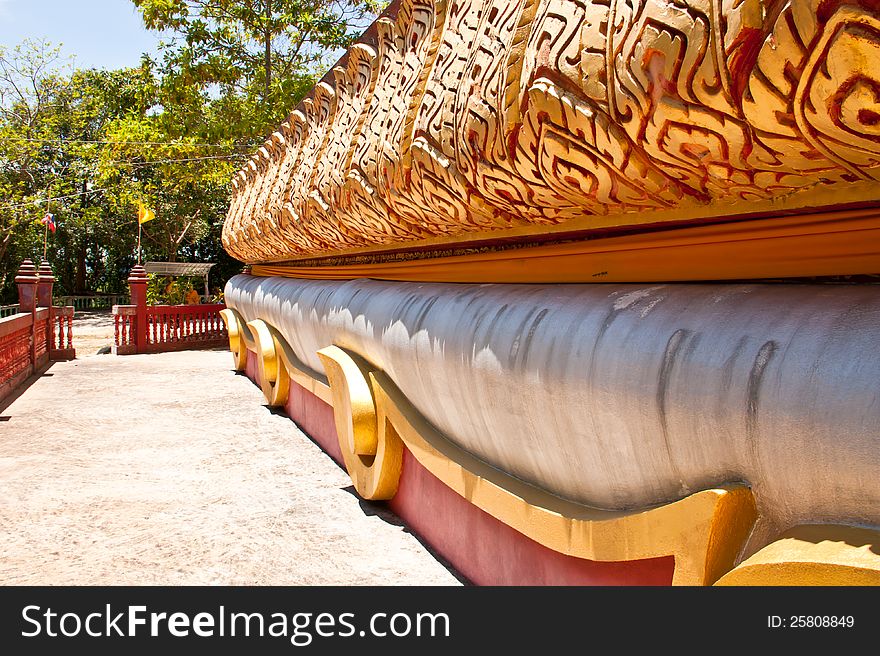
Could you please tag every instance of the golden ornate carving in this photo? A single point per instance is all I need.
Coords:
(819, 554)
(371, 448)
(460, 121)
(273, 375)
(235, 329)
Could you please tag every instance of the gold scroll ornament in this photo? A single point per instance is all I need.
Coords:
(451, 123)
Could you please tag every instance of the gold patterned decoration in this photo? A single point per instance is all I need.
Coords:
(236, 330)
(813, 554)
(273, 375)
(371, 448)
(475, 119)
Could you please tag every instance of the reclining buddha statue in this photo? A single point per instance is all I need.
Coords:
(586, 291)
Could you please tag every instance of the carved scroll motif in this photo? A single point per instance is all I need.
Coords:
(467, 116)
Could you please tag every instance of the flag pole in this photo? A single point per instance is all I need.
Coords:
(139, 241)
(46, 225)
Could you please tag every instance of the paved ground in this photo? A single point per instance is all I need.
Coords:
(92, 331)
(168, 470)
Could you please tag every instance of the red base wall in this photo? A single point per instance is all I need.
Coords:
(483, 549)
(251, 367)
(315, 418)
(489, 552)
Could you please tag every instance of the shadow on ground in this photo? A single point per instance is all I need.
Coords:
(382, 511)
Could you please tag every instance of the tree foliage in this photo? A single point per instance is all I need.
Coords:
(50, 119)
(258, 57)
(90, 145)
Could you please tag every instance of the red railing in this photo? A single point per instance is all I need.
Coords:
(16, 362)
(28, 337)
(29, 341)
(124, 317)
(42, 341)
(173, 327)
(61, 334)
(169, 328)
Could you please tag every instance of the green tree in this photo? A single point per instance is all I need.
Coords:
(28, 85)
(53, 125)
(174, 157)
(89, 239)
(90, 145)
(231, 70)
(184, 182)
(258, 58)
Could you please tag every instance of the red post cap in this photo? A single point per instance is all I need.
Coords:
(138, 275)
(45, 272)
(27, 273)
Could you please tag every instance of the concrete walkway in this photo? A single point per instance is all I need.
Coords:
(92, 332)
(169, 470)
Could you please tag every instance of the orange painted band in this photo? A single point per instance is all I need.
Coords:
(826, 244)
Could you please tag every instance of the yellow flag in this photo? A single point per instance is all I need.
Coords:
(145, 213)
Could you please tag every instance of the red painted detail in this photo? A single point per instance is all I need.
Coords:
(64, 317)
(124, 325)
(44, 286)
(41, 332)
(15, 348)
(174, 327)
(488, 552)
(27, 280)
(251, 368)
(742, 54)
(28, 338)
(137, 284)
(142, 328)
(168, 327)
(316, 418)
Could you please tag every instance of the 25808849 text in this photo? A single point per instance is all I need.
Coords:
(811, 622)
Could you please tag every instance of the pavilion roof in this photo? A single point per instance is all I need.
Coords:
(179, 268)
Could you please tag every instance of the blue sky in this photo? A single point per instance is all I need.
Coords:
(97, 33)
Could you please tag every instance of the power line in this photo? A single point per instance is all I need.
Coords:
(123, 162)
(177, 161)
(121, 143)
(47, 201)
(91, 191)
